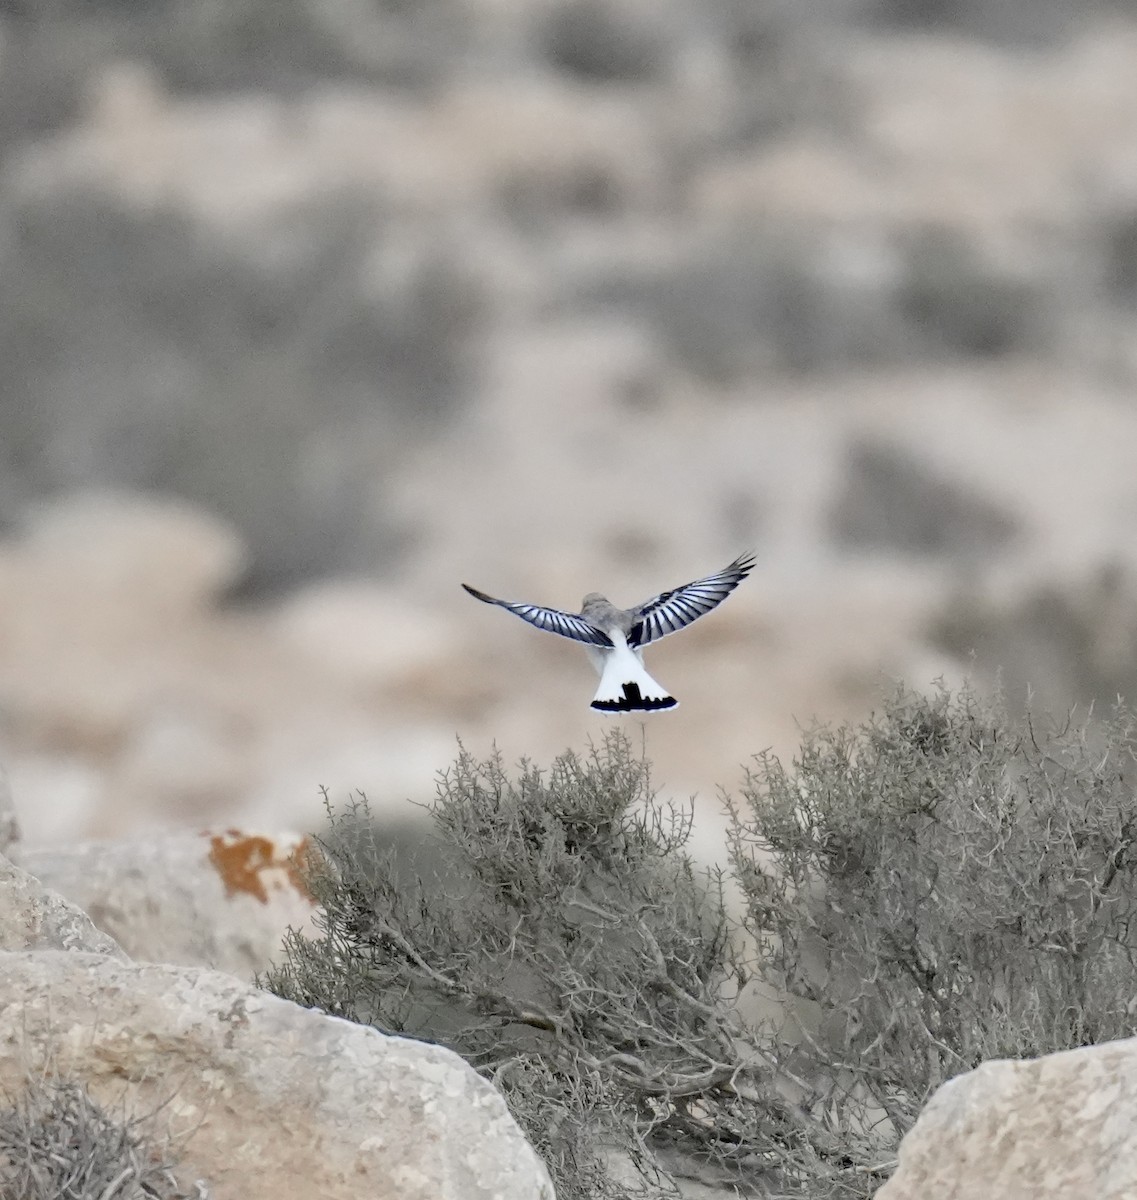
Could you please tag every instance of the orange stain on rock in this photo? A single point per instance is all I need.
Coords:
(254, 864)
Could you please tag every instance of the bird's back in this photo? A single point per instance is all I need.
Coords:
(599, 611)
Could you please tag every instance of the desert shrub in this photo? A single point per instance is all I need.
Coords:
(262, 381)
(57, 1143)
(287, 46)
(1006, 23)
(1073, 642)
(941, 885)
(744, 302)
(952, 301)
(599, 42)
(278, 46)
(565, 946)
(893, 501)
(1118, 258)
(790, 296)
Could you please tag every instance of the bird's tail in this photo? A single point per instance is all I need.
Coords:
(625, 686)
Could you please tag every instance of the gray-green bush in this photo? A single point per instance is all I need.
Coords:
(566, 947)
(261, 381)
(940, 885)
(58, 1143)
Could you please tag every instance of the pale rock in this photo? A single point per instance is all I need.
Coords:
(121, 545)
(1055, 1128)
(187, 752)
(231, 160)
(366, 634)
(58, 793)
(279, 1102)
(9, 822)
(387, 765)
(102, 603)
(219, 899)
(953, 135)
(34, 918)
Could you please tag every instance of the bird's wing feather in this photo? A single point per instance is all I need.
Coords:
(671, 611)
(552, 620)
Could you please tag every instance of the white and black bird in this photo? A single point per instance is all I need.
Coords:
(615, 637)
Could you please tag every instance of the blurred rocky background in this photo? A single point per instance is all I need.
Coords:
(314, 309)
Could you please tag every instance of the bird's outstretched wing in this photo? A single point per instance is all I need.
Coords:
(671, 611)
(551, 620)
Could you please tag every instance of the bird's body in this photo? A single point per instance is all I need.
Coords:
(625, 685)
(615, 637)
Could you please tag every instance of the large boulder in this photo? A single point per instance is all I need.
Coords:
(220, 899)
(282, 1102)
(1063, 1127)
(34, 918)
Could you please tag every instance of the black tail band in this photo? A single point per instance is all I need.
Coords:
(633, 700)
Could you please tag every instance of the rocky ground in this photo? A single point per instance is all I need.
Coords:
(245, 1095)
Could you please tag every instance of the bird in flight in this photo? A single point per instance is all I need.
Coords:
(615, 637)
